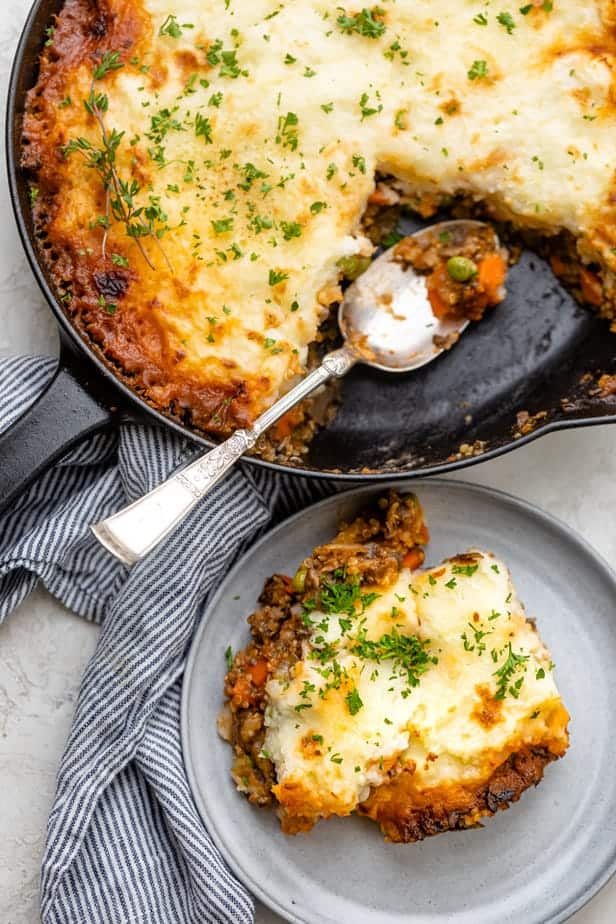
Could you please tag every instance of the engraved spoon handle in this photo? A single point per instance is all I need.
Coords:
(135, 530)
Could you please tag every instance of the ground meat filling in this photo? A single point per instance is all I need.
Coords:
(277, 631)
(374, 547)
(465, 271)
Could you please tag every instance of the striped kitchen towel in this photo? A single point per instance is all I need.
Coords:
(124, 840)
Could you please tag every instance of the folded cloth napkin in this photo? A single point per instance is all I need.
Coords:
(124, 840)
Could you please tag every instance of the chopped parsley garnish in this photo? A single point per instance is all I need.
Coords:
(250, 175)
(401, 119)
(506, 20)
(478, 71)
(360, 162)
(344, 596)
(394, 49)
(466, 570)
(480, 19)
(477, 644)
(288, 133)
(317, 207)
(229, 657)
(110, 307)
(331, 170)
(290, 229)
(353, 701)
(227, 60)
(118, 260)
(505, 673)
(301, 706)
(276, 277)
(364, 23)
(203, 128)
(369, 110)
(223, 225)
(172, 28)
(410, 654)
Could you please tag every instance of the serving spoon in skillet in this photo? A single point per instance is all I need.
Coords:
(387, 322)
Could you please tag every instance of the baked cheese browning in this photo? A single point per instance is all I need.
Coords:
(424, 701)
(199, 176)
(406, 814)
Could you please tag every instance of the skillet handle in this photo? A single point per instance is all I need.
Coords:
(62, 416)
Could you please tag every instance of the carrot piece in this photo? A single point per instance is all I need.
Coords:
(559, 267)
(435, 282)
(492, 273)
(590, 284)
(284, 427)
(413, 559)
(258, 672)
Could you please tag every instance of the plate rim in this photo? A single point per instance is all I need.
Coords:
(414, 484)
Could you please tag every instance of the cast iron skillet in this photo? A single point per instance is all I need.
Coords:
(529, 355)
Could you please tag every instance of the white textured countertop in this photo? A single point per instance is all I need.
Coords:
(43, 647)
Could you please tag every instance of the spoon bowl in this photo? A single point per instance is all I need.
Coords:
(386, 317)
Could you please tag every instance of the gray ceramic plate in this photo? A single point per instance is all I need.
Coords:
(536, 863)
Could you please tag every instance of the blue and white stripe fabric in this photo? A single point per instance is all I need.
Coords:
(125, 844)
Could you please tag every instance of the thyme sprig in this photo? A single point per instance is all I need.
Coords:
(120, 195)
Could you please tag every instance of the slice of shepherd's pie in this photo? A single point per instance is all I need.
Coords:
(423, 699)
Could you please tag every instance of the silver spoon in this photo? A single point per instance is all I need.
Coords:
(387, 322)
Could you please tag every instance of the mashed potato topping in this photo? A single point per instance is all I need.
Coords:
(196, 210)
(481, 685)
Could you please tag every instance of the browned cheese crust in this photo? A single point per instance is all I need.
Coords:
(131, 340)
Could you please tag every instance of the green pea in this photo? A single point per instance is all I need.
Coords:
(299, 580)
(461, 268)
(353, 266)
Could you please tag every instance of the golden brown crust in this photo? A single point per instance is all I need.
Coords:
(406, 815)
(131, 340)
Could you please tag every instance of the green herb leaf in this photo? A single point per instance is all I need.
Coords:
(478, 71)
(109, 62)
(353, 701)
(364, 23)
